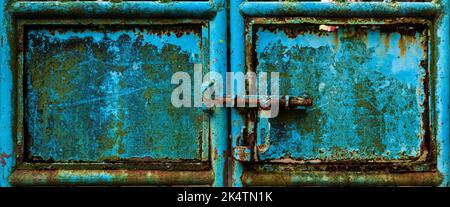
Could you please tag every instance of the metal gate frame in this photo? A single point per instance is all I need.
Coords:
(437, 12)
(215, 11)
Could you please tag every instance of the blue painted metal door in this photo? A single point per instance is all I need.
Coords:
(374, 81)
(86, 93)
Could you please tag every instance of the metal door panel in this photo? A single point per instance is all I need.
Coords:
(374, 82)
(368, 82)
(90, 93)
(101, 94)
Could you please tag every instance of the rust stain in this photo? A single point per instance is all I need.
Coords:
(401, 45)
(336, 41)
(216, 154)
(387, 39)
(3, 158)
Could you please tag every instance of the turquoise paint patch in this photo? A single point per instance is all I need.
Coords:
(367, 95)
(7, 154)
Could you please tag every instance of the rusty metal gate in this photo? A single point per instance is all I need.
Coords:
(85, 93)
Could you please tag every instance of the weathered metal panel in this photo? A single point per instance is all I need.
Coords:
(369, 84)
(103, 93)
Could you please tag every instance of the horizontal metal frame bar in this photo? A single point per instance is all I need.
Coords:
(320, 178)
(114, 10)
(109, 177)
(322, 9)
(122, 165)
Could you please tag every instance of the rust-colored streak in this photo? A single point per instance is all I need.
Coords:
(402, 45)
(216, 154)
(387, 40)
(336, 40)
(3, 158)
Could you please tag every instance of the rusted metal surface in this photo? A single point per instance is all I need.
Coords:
(109, 177)
(242, 153)
(369, 168)
(96, 94)
(102, 9)
(369, 83)
(338, 145)
(261, 102)
(156, 45)
(339, 9)
(441, 84)
(220, 151)
(377, 170)
(7, 145)
(323, 178)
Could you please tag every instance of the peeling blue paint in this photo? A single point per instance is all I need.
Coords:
(366, 94)
(219, 118)
(94, 95)
(7, 153)
(443, 92)
(237, 63)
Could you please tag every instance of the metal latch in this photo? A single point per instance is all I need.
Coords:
(253, 101)
(242, 153)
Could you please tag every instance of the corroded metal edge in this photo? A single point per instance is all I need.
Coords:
(109, 177)
(334, 9)
(343, 178)
(114, 10)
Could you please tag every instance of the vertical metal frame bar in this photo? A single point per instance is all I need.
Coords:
(7, 154)
(237, 64)
(442, 110)
(219, 117)
(206, 135)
